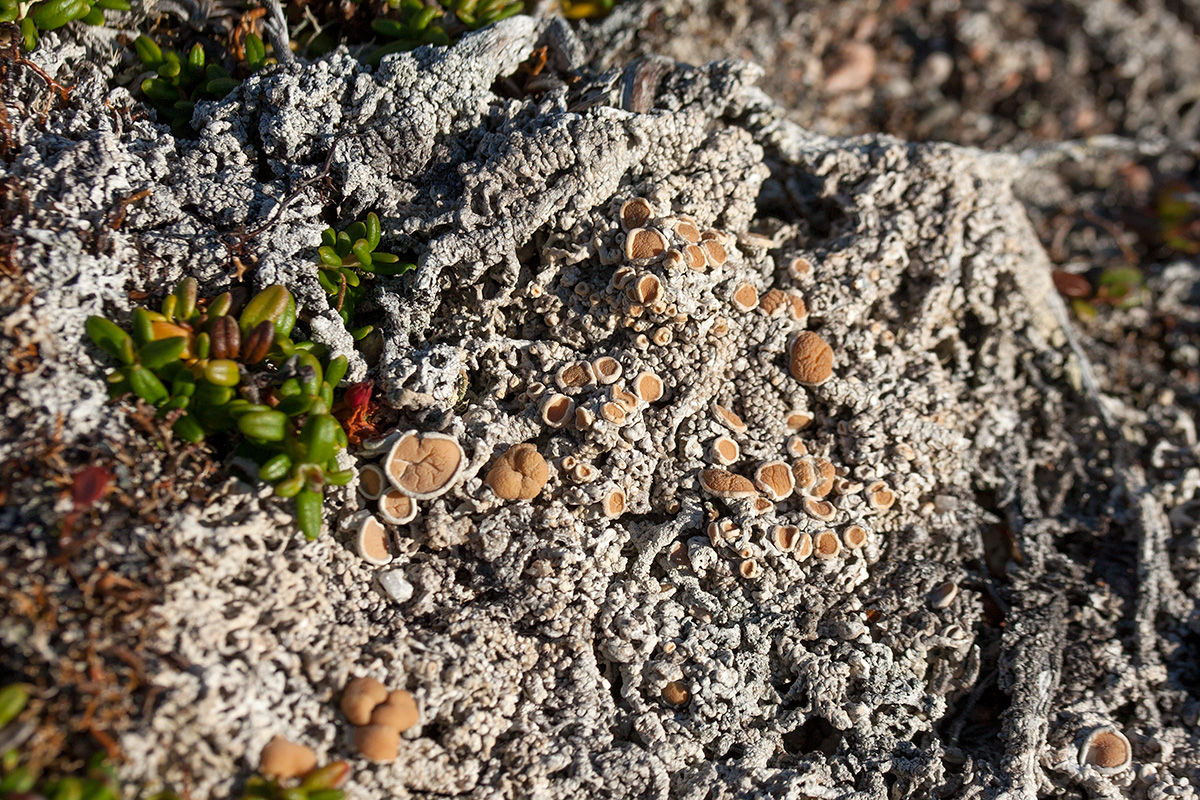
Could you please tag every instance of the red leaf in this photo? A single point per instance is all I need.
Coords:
(88, 485)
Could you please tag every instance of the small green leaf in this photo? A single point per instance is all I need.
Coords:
(18, 781)
(219, 87)
(160, 352)
(319, 437)
(373, 229)
(110, 338)
(211, 395)
(256, 51)
(169, 69)
(54, 14)
(425, 17)
(312, 383)
(268, 305)
(336, 370)
(329, 256)
(146, 385)
(388, 28)
(275, 468)
(290, 487)
(95, 18)
(362, 251)
(339, 478)
(287, 320)
(148, 51)
(270, 426)
(115, 5)
(195, 60)
(13, 699)
(296, 404)
(141, 322)
(308, 513)
(29, 33)
(222, 372)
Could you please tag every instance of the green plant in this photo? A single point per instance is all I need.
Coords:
(320, 783)
(181, 82)
(345, 256)
(414, 23)
(52, 14)
(243, 376)
(586, 9)
(1178, 211)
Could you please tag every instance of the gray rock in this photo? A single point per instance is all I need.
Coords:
(540, 635)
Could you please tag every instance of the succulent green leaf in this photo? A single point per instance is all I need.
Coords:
(160, 352)
(170, 67)
(141, 323)
(336, 370)
(209, 394)
(330, 776)
(174, 404)
(268, 305)
(219, 306)
(329, 256)
(326, 282)
(95, 17)
(17, 781)
(389, 28)
(287, 320)
(328, 237)
(426, 16)
(159, 90)
(183, 385)
(339, 478)
(29, 33)
(275, 468)
(289, 487)
(256, 51)
(146, 385)
(319, 437)
(188, 289)
(219, 87)
(55, 13)
(296, 404)
(356, 230)
(65, 789)
(362, 251)
(115, 5)
(110, 338)
(222, 372)
(308, 513)
(13, 699)
(373, 230)
(270, 426)
(148, 51)
(203, 345)
(311, 384)
(358, 334)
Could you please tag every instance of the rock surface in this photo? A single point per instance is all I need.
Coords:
(540, 635)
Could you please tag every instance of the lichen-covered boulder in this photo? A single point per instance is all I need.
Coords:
(616, 271)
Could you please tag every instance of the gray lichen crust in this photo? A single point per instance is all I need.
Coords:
(675, 643)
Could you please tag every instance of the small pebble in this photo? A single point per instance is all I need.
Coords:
(396, 586)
